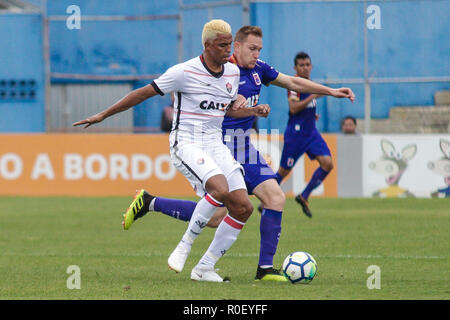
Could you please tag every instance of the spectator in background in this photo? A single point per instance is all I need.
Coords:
(348, 125)
(167, 116)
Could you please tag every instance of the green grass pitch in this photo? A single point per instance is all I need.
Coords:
(408, 239)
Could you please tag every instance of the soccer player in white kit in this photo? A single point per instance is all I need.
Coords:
(205, 90)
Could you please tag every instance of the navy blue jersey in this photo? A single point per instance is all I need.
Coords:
(303, 122)
(250, 87)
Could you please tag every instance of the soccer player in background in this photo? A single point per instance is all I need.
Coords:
(206, 88)
(348, 125)
(301, 135)
(259, 177)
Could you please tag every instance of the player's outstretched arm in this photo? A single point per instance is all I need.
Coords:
(344, 93)
(130, 100)
(299, 84)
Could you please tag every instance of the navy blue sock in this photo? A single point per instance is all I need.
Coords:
(178, 209)
(317, 178)
(270, 230)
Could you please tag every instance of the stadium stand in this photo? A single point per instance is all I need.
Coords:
(415, 119)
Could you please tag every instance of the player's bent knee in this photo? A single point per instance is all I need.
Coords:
(276, 200)
(279, 199)
(219, 194)
(328, 167)
(249, 209)
(217, 187)
(241, 210)
(246, 211)
(326, 163)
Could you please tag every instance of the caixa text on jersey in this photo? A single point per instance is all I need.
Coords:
(211, 105)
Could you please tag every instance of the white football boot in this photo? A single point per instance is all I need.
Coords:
(178, 257)
(205, 273)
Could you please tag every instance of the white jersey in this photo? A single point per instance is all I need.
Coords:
(202, 97)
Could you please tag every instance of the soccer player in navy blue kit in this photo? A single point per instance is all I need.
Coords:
(259, 177)
(301, 135)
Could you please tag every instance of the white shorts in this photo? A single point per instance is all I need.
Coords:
(199, 162)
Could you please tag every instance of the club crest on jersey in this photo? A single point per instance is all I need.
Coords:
(256, 78)
(229, 87)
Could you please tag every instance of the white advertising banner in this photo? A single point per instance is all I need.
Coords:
(406, 165)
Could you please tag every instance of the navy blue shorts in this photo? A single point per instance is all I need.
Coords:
(295, 145)
(255, 166)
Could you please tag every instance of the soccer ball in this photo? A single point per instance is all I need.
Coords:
(299, 267)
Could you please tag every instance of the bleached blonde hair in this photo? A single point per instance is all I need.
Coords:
(214, 27)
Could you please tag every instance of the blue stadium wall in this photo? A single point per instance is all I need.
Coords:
(117, 47)
(21, 73)
(413, 42)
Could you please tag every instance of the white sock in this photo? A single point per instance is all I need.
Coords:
(226, 234)
(203, 212)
